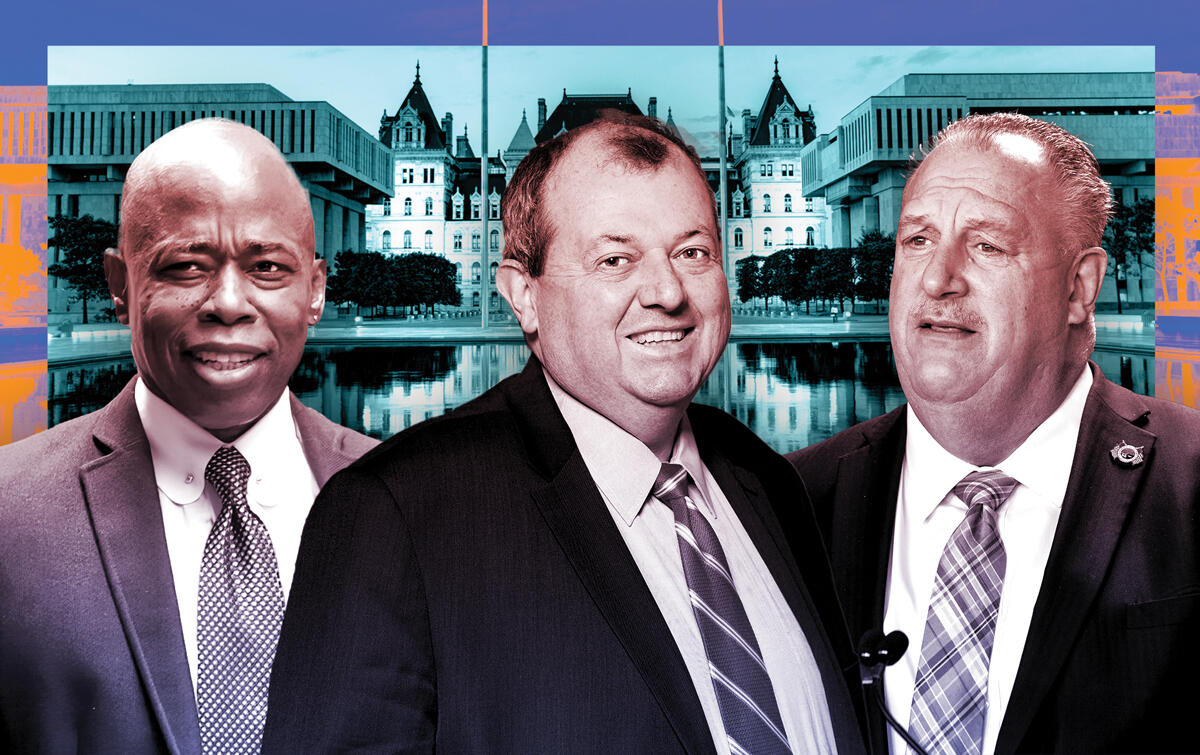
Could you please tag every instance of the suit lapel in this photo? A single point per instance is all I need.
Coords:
(1097, 503)
(122, 501)
(868, 482)
(323, 441)
(576, 514)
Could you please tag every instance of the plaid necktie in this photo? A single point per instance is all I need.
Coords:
(949, 706)
(744, 694)
(240, 613)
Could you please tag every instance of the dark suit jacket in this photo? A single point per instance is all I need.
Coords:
(1110, 648)
(91, 650)
(464, 586)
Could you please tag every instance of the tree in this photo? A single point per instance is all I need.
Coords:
(1129, 241)
(775, 275)
(749, 278)
(427, 279)
(833, 274)
(873, 268)
(81, 242)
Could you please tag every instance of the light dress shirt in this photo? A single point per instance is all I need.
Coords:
(927, 513)
(625, 470)
(281, 490)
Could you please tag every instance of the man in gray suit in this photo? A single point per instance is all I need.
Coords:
(149, 546)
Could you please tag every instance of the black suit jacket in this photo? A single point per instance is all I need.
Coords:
(91, 649)
(1109, 652)
(464, 586)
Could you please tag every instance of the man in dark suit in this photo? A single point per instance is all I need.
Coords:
(1082, 507)
(118, 582)
(577, 560)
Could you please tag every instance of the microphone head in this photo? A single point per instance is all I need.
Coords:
(869, 646)
(891, 648)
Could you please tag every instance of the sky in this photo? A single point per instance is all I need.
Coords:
(362, 82)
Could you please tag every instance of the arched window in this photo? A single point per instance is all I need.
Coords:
(810, 236)
(408, 239)
(787, 202)
(492, 273)
(494, 242)
(408, 205)
(475, 272)
(428, 239)
(428, 205)
(787, 236)
(387, 239)
(475, 207)
(737, 238)
(766, 202)
(475, 241)
(458, 241)
(458, 271)
(767, 237)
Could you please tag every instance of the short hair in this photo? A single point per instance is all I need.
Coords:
(1086, 197)
(641, 142)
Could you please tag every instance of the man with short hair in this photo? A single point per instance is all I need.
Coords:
(580, 558)
(1029, 526)
(149, 546)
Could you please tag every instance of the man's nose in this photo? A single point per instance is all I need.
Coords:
(943, 273)
(228, 299)
(660, 284)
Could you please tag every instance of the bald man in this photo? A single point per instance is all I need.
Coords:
(148, 547)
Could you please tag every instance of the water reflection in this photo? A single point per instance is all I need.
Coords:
(790, 394)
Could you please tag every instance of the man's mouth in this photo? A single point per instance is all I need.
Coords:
(224, 360)
(660, 336)
(945, 327)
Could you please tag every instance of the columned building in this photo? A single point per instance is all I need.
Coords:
(860, 167)
(95, 132)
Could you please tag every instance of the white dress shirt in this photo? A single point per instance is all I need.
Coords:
(625, 470)
(927, 513)
(281, 490)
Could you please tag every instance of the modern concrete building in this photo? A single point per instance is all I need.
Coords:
(95, 132)
(860, 167)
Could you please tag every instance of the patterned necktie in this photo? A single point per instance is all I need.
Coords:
(747, 701)
(949, 706)
(240, 613)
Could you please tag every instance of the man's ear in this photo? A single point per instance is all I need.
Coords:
(118, 283)
(1087, 276)
(316, 304)
(518, 289)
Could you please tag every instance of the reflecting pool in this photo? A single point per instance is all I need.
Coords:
(790, 394)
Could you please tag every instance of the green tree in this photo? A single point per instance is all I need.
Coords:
(1129, 241)
(81, 242)
(426, 280)
(749, 278)
(873, 267)
(833, 275)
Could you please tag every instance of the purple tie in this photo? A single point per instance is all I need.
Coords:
(949, 707)
(240, 613)
(739, 675)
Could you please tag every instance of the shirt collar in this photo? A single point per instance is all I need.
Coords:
(622, 467)
(1042, 463)
(180, 449)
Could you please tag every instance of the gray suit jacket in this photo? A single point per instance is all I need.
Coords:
(91, 650)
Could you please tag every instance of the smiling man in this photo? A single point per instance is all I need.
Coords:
(1030, 526)
(149, 546)
(580, 559)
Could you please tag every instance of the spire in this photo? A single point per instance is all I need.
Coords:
(418, 79)
(777, 66)
(670, 120)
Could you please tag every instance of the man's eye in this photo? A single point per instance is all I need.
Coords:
(614, 261)
(987, 248)
(184, 267)
(693, 253)
(917, 242)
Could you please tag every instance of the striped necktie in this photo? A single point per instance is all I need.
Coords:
(739, 675)
(239, 616)
(949, 707)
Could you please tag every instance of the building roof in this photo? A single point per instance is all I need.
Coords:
(578, 109)
(417, 100)
(778, 94)
(522, 140)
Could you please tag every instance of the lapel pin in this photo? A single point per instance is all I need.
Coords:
(1127, 454)
(189, 478)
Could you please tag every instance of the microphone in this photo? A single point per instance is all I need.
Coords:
(877, 651)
